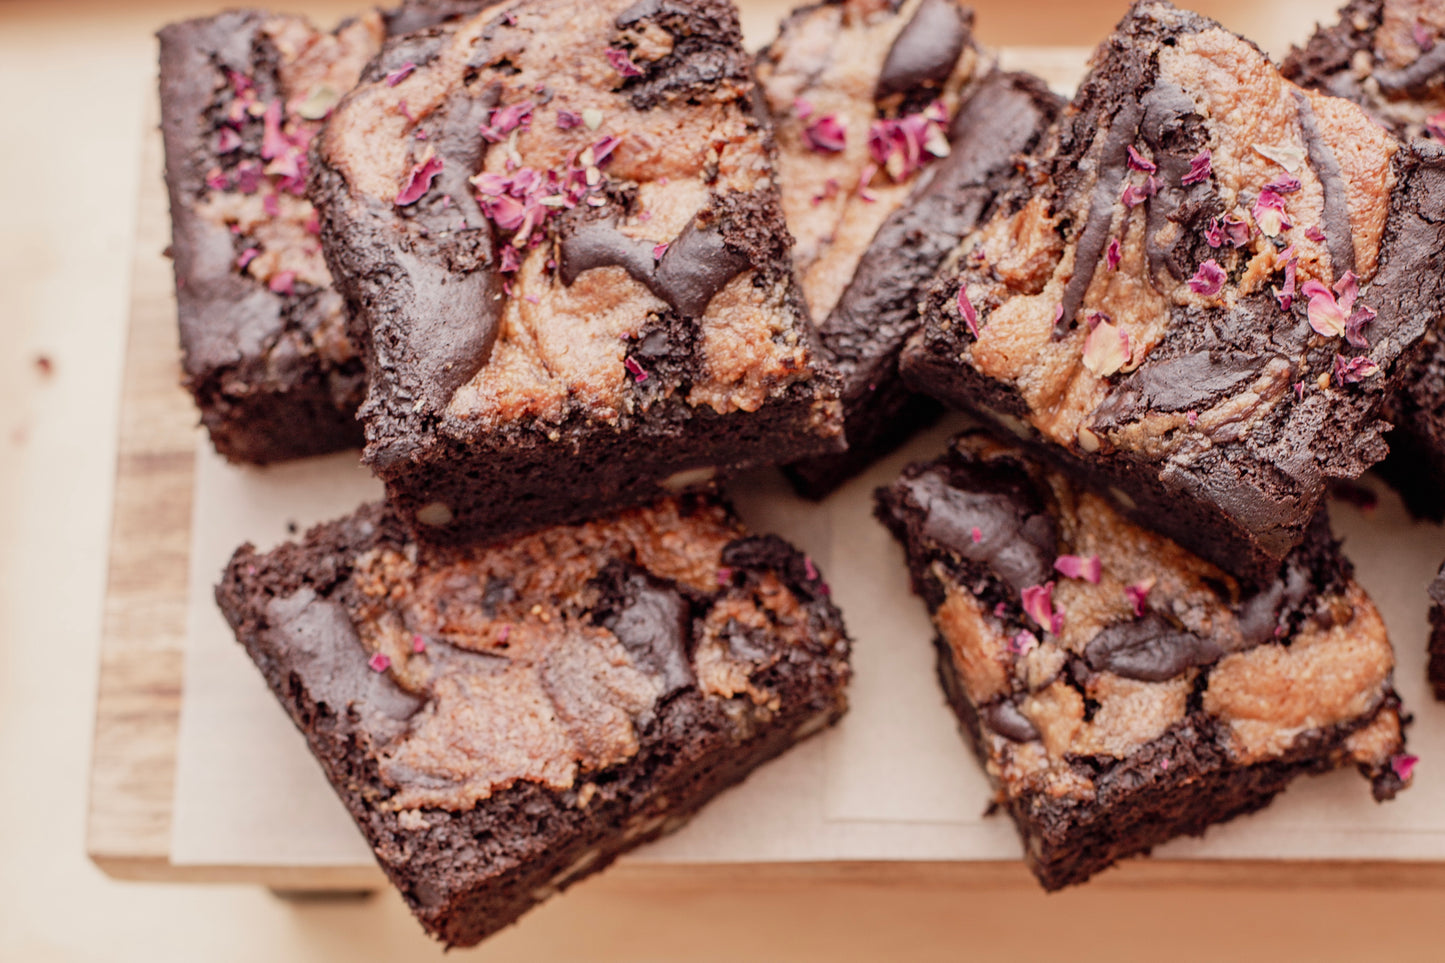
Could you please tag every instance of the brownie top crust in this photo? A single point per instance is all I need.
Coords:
(511, 229)
(1388, 56)
(861, 93)
(242, 95)
(1081, 638)
(1212, 271)
(535, 660)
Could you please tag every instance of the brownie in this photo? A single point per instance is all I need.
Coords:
(591, 301)
(502, 722)
(1389, 57)
(1201, 293)
(1119, 690)
(1435, 669)
(894, 136)
(265, 351)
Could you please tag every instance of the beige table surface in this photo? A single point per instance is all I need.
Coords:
(75, 78)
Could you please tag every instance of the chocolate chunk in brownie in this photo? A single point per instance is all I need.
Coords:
(574, 285)
(1118, 689)
(894, 136)
(1201, 294)
(504, 721)
(264, 344)
(1388, 56)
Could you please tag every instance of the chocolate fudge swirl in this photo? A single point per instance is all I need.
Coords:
(925, 50)
(1338, 236)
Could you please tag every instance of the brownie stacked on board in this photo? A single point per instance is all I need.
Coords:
(571, 291)
(895, 134)
(1203, 293)
(1184, 319)
(1388, 56)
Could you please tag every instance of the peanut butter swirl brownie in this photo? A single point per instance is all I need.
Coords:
(1389, 57)
(894, 137)
(503, 721)
(1203, 295)
(1119, 690)
(263, 334)
(559, 230)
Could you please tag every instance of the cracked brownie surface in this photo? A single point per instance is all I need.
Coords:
(503, 721)
(1389, 57)
(1118, 689)
(895, 134)
(574, 286)
(263, 333)
(1202, 295)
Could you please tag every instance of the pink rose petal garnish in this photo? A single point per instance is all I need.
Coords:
(1283, 184)
(622, 63)
(1435, 126)
(273, 142)
(1422, 36)
(724, 575)
(803, 108)
(976, 534)
(400, 74)
(1192, 417)
(1200, 167)
(830, 191)
(418, 644)
(826, 134)
(503, 634)
(1114, 254)
(419, 181)
(511, 259)
(227, 140)
(639, 374)
(379, 662)
(246, 257)
(1324, 312)
(1039, 605)
(1285, 295)
(1353, 370)
(864, 179)
(1299, 390)
(658, 250)
(966, 310)
(1269, 213)
(506, 119)
(1208, 280)
(1106, 349)
(1086, 567)
(1355, 327)
(1136, 194)
(1404, 765)
(1023, 642)
(1315, 234)
(283, 282)
(1137, 594)
(1139, 162)
(1229, 229)
(566, 120)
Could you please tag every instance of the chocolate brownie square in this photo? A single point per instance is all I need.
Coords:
(1389, 57)
(574, 284)
(894, 136)
(502, 722)
(1203, 293)
(1119, 690)
(264, 345)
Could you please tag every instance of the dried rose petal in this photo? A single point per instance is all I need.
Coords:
(1283, 184)
(418, 644)
(283, 282)
(1208, 280)
(658, 250)
(1106, 349)
(1325, 314)
(246, 257)
(826, 134)
(1422, 36)
(1269, 213)
(216, 180)
(1404, 766)
(273, 142)
(1136, 194)
(1200, 167)
(506, 119)
(967, 311)
(830, 191)
(1192, 417)
(1138, 594)
(802, 108)
(1023, 642)
(1039, 605)
(1315, 234)
(639, 374)
(724, 575)
(248, 176)
(227, 140)
(864, 179)
(1114, 254)
(1138, 162)
(379, 662)
(1435, 126)
(511, 259)
(622, 63)
(400, 74)
(1353, 370)
(1285, 295)
(809, 569)
(1086, 567)
(566, 120)
(419, 181)
(1299, 390)
(1355, 327)
(603, 149)
(976, 534)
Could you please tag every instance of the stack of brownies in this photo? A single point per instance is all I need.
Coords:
(569, 266)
